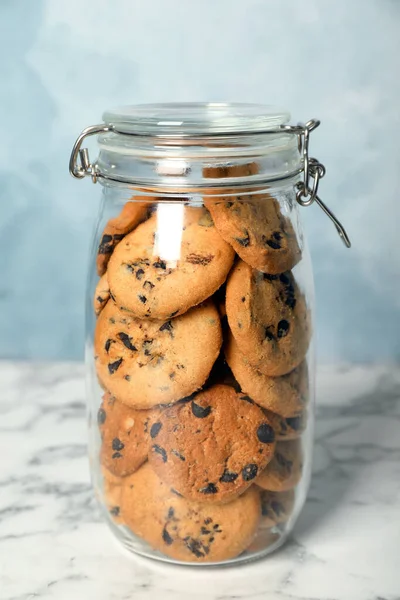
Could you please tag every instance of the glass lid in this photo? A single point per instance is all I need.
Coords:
(190, 118)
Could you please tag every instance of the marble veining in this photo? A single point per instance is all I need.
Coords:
(53, 544)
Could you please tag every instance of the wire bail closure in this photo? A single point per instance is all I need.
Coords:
(307, 190)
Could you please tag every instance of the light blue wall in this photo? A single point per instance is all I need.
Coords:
(63, 62)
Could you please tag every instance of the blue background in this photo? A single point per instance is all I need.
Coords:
(62, 63)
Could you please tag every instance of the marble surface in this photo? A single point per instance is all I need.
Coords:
(346, 545)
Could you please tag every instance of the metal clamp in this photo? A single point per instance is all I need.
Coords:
(307, 190)
(85, 168)
(314, 171)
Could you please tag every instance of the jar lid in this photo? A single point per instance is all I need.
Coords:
(195, 118)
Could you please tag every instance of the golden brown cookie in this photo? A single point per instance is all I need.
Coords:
(276, 507)
(161, 270)
(284, 471)
(125, 435)
(286, 395)
(269, 319)
(213, 447)
(287, 428)
(101, 294)
(145, 362)
(185, 530)
(257, 230)
(112, 487)
(131, 215)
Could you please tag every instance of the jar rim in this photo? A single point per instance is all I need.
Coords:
(195, 118)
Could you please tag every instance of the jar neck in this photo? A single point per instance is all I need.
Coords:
(218, 161)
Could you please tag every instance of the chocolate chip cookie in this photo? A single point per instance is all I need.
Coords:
(131, 215)
(284, 471)
(125, 435)
(269, 319)
(276, 507)
(146, 362)
(212, 447)
(286, 395)
(101, 294)
(185, 530)
(257, 230)
(165, 267)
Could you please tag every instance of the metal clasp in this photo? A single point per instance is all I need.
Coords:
(314, 171)
(85, 168)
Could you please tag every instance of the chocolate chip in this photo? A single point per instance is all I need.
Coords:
(172, 375)
(277, 507)
(167, 327)
(204, 530)
(199, 411)
(160, 265)
(161, 452)
(180, 456)
(155, 429)
(112, 367)
(245, 241)
(166, 537)
(100, 300)
(294, 422)
(273, 244)
(265, 434)
(207, 521)
(246, 399)
(228, 477)
(244, 299)
(176, 493)
(197, 259)
(228, 204)
(142, 298)
(117, 444)
(194, 546)
(127, 377)
(139, 274)
(171, 513)
(117, 455)
(127, 341)
(108, 344)
(249, 472)
(101, 416)
(211, 539)
(114, 511)
(283, 328)
(106, 246)
(148, 286)
(209, 489)
(216, 527)
(268, 335)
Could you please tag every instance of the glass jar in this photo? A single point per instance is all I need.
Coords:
(199, 348)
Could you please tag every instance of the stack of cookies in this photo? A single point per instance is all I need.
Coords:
(200, 346)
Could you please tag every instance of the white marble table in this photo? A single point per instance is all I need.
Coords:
(346, 545)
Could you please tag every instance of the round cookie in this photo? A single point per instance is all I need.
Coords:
(115, 230)
(144, 282)
(289, 428)
(276, 507)
(213, 447)
(185, 530)
(286, 395)
(257, 230)
(101, 294)
(269, 319)
(144, 362)
(284, 471)
(125, 435)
